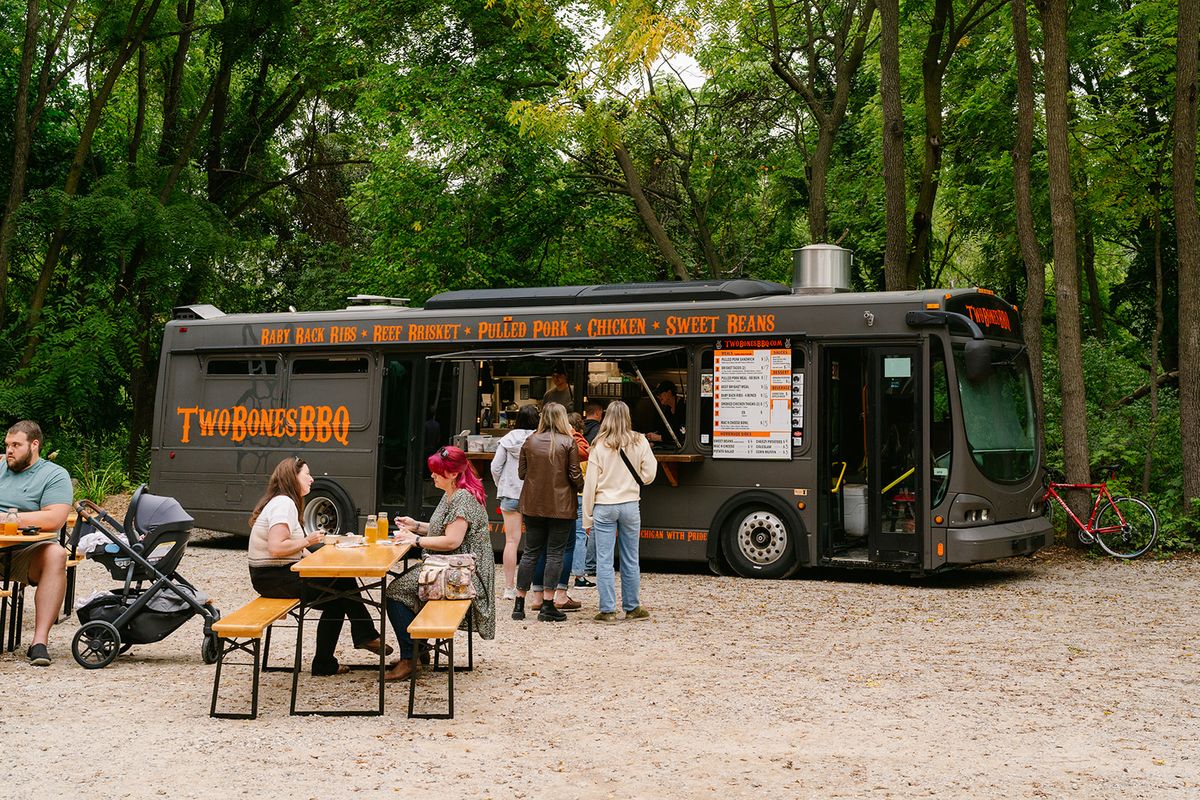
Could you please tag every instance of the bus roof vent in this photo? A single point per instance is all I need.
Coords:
(661, 292)
(198, 311)
(358, 300)
(821, 269)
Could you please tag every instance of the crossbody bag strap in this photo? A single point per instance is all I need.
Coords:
(632, 471)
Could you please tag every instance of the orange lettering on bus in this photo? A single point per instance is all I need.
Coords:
(186, 413)
(308, 415)
(239, 423)
(750, 323)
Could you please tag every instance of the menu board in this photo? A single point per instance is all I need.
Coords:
(752, 403)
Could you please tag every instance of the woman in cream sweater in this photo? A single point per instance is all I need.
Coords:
(612, 511)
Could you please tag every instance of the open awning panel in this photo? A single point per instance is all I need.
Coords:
(601, 353)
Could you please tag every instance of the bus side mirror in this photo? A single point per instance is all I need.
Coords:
(978, 358)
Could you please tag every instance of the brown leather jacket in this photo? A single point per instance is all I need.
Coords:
(549, 466)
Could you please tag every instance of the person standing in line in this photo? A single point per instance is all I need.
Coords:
(508, 489)
(593, 415)
(549, 467)
(278, 540)
(619, 464)
(578, 556)
(41, 492)
(562, 600)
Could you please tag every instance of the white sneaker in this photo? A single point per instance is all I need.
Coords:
(510, 593)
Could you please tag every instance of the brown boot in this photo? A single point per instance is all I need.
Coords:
(401, 670)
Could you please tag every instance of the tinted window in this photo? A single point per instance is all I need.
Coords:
(228, 366)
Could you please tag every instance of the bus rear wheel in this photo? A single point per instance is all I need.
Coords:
(759, 544)
(328, 508)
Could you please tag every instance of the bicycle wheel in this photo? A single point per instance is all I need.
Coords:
(1134, 536)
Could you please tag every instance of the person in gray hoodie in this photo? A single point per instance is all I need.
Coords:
(508, 489)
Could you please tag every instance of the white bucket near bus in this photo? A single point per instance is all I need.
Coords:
(856, 508)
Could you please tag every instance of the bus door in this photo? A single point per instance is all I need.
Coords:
(894, 475)
(418, 416)
(870, 434)
(398, 473)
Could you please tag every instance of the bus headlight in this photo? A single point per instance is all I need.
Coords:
(970, 509)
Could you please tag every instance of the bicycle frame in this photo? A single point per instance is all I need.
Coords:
(1087, 530)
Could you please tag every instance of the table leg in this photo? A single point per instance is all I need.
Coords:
(382, 638)
(299, 654)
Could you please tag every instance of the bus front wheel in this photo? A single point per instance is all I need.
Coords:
(759, 544)
(328, 508)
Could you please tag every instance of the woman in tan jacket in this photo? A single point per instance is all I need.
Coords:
(549, 467)
(611, 503)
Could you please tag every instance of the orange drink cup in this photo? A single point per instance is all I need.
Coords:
(381, 527)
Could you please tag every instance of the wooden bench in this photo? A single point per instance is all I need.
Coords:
(243, 631)
(436, 624)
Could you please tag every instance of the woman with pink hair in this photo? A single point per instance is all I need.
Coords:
(459, 525)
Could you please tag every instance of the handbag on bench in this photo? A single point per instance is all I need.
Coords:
(447, 577)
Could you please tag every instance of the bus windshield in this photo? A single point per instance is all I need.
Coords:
(998, 416)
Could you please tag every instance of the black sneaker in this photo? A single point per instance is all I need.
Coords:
(39, 656)
(549, 613)
(582, 581)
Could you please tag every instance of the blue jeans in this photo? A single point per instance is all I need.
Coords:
(620, 526)
(401, 616)
(581, 545)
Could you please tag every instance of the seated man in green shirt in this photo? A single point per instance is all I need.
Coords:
(41, 492)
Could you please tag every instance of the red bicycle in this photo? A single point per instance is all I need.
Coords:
(1125, 527)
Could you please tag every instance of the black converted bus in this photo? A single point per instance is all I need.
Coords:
(889, 430)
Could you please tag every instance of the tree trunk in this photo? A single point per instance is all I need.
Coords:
(827, 108)
(1066, 266)
(1148, 462)
(22, 135)
(1031, 254)
(1095, 307)
(139, 122)
(646, 212)
(932, 71)
(135, 32)
(1187, 231)
(895, 210)
(185, 11)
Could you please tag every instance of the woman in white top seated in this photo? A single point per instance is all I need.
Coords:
(277, 540)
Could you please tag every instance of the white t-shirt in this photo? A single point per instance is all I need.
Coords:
(278, 509)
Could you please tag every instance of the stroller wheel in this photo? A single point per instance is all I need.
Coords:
(211, 649)
(96, 644)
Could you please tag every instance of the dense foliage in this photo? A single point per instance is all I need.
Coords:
(257, 154)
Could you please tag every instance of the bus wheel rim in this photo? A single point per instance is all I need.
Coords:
(762, 538)
(320, 512)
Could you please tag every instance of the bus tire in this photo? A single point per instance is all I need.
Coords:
(759, 542)
(329, 507)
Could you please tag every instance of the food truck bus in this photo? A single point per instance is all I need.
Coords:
(815, 426)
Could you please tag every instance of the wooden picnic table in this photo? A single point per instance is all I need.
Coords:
(370, 563)
(12, 607)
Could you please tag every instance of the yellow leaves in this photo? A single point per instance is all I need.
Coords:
(416, 226)
(541, 120)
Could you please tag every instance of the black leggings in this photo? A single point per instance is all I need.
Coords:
(282, 582)
(548, 535)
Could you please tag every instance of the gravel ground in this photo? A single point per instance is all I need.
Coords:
(1057, 676)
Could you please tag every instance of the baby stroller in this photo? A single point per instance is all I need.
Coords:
(146, 549)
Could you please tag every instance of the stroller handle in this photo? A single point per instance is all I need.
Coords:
(89, 512)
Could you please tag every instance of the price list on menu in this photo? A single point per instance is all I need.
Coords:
(752, 403)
